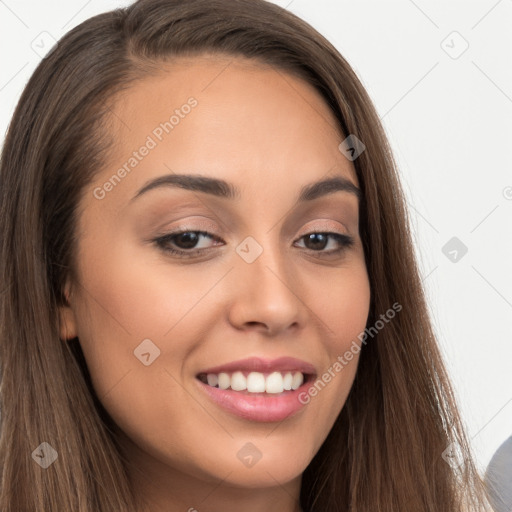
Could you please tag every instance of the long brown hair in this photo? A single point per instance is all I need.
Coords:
(386, 451)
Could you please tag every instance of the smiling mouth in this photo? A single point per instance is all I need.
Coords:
(256, 383)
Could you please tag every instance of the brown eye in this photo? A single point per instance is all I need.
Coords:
(317, 242)
(185, 241)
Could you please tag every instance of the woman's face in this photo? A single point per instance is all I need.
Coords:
(152, 323)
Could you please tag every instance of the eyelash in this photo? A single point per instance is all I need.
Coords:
(345, 241)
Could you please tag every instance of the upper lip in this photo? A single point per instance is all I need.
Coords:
(259, 364)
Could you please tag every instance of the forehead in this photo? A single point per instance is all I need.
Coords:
(229, 116)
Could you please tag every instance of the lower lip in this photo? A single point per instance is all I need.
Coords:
(257, 407)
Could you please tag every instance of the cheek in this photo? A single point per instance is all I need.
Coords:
(136, 296)
(122, 303)
(136, 326)
(128, 299)
(344, 306)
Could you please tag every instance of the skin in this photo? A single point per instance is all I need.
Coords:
(269, 134)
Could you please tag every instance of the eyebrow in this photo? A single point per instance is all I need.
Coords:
(221, 188)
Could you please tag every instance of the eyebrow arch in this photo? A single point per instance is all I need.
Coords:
(223, 189)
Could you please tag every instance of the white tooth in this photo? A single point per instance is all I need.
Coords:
(238, 381)
(255, 382)
(297, 380)
(224, 380)
(274, 383)
(212, 379)
(287, 381)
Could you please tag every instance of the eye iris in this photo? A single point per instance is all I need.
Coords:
(315, 237)
(187, 240)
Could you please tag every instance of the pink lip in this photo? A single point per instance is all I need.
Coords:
(257, 406)
(258, 364)
(263, 407)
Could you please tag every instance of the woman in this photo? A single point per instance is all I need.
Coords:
(288, 364)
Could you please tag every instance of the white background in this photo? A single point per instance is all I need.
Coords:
(449, 119)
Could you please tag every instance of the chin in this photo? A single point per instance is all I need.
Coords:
(269, 467)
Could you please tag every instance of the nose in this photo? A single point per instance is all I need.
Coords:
(267, 294)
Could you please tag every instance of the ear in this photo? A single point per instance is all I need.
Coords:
(67, 320)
